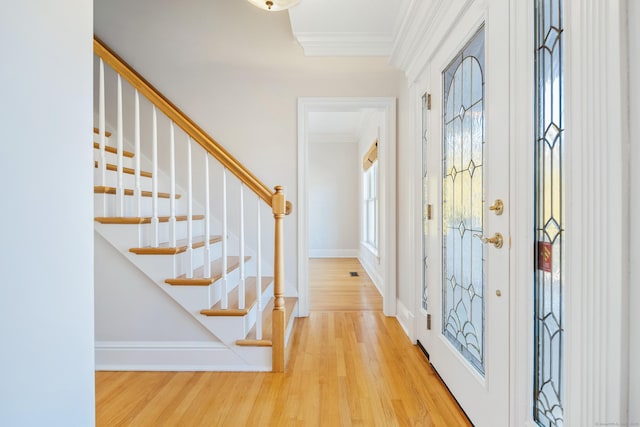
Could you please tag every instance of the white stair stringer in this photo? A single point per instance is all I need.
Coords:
(192, 299)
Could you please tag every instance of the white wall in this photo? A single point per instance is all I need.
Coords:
(333, 199)
(252, 111)
(46, 307)
(145, 313)
(634, 300)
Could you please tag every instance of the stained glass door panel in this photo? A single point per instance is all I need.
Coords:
(462, 202)
(468, 158)
(549, 215)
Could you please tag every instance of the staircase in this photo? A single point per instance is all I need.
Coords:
(159, 195)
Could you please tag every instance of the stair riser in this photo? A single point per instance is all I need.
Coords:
(195, 298)
(129, 180)
(124, 237)
(161, 267)
(128, 162)
(107, 205)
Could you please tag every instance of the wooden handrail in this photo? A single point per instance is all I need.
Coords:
(184, 122)
(276, 200)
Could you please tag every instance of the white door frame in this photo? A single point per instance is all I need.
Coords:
(387, 159)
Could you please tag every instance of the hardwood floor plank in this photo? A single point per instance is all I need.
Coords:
(347, 365)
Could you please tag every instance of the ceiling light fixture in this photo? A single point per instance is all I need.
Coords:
(274, 5)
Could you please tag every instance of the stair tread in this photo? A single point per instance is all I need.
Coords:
(97, 132)
(267, 317)
(102, 189)
(181, 246)
(250, 299)
(114, 168)
(113, 150)
(199, 279)
(141, 219)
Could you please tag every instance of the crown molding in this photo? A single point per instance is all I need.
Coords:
(420, 33)
(345, 44)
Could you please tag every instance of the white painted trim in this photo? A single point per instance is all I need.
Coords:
(597, 227)
(373, 274)
(345, 44)
(407, 321)
(387, 156)
(333, 253)
(634, 212)
(169, 356)
(521, 211)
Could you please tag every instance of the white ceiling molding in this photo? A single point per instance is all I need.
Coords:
(333, 138)
(345, 44)
(414, 42)
(347, 28)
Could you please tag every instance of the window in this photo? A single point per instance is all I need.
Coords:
(549, 215)
(370, 211)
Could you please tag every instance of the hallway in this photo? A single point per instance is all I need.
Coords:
(347, 365)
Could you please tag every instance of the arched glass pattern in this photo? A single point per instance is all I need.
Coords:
(463, 281)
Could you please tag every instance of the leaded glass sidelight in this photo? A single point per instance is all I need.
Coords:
(549, 214)
(425, 206)
(462, 202)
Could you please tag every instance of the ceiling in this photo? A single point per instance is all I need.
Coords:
(347, 27)
(343, 36)
(335, 126)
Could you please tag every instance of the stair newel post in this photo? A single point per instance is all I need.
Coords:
(103, 136)
(120, 190)
(189, 212)
(278, 205)
(241, 301)
(137, 155)
(258, 273)
(172, 194)
(225, 300)
(154, 180)
(207, 219)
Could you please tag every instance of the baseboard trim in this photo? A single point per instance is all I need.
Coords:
(333, 253)
(169, 356)
(406, 319)
(373, 274)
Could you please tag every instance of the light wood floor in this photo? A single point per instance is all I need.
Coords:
(347, 365)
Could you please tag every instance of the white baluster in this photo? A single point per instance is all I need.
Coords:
(172, 194)
(225, 299)
(120, 186)
(259, 277)
(241, 301)
(207, 219)
(189, 212)
(137, 153)
(154, 172)
(103, 137)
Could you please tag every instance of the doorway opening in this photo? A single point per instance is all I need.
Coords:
(380, 265)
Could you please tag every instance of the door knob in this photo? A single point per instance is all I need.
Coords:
(496, 240)
(497, 207)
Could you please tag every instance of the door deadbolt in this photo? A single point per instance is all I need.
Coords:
(497, 207)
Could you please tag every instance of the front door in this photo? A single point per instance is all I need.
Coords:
(466, 185)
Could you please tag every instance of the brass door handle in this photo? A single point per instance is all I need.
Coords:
(497, 207)
(496, 240)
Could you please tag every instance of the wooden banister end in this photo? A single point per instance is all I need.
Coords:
(278, 202)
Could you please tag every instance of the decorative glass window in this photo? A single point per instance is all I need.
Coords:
(370, 229)
(549, 214)
(463, 282)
